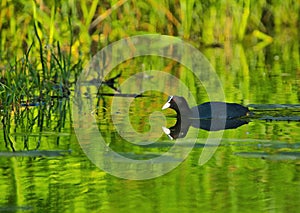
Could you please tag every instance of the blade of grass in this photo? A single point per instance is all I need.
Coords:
(106, 14)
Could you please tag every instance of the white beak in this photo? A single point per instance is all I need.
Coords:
(166, 106)
(167, 132)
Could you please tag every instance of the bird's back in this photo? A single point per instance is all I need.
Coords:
(223, 110)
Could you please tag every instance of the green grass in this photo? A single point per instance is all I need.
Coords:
(81, 27)
(44, 45)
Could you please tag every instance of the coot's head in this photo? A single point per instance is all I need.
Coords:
(179, 104)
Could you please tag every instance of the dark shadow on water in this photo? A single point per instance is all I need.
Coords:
(266, 112)
(274, 106)
(36, 153)
(270, 156)
(16, 208)
(276, 112)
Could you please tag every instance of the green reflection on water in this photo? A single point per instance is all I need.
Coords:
(260, 179)
(229, 182)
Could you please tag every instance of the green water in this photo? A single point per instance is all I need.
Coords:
(256, 168)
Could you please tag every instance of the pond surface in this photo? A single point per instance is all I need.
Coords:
(256, 167)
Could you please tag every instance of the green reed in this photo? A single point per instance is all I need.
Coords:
(44, 45)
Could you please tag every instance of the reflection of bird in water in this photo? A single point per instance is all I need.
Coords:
(211, 116)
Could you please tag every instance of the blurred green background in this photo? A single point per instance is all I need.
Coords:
(44, 46)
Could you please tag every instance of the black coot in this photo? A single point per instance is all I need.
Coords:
(220, 110)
